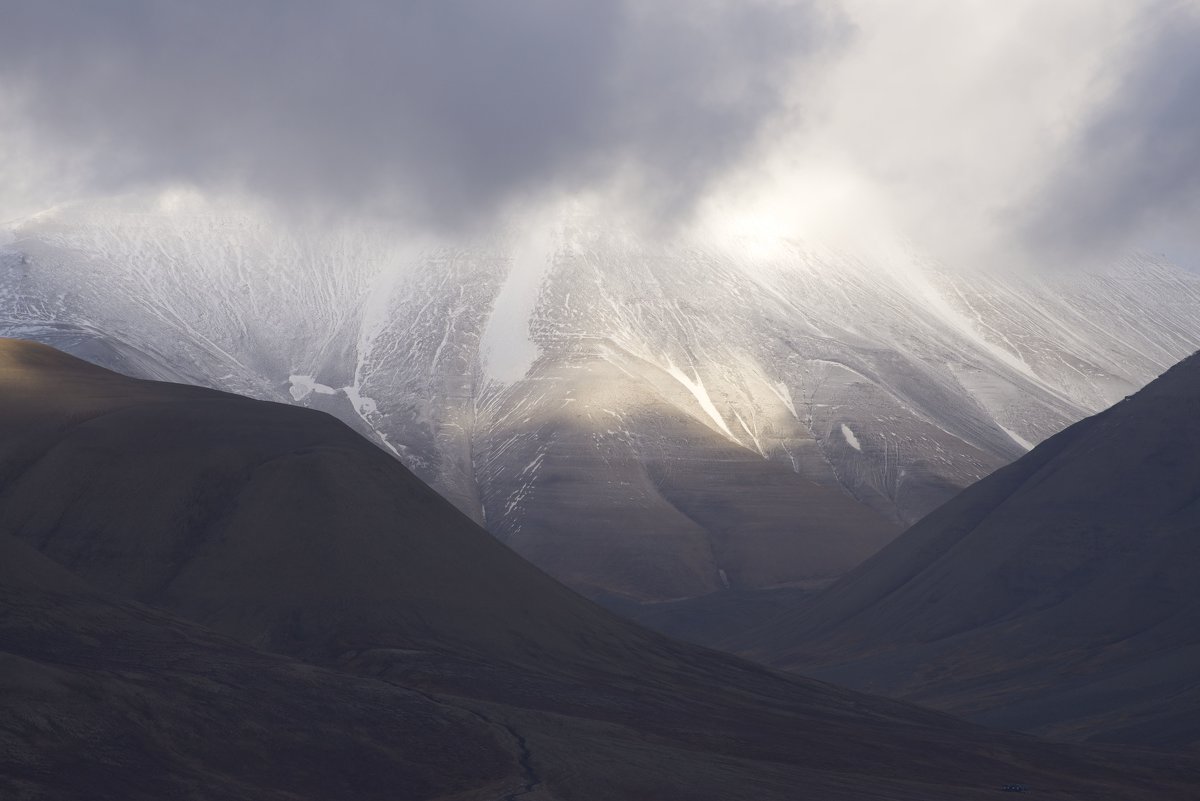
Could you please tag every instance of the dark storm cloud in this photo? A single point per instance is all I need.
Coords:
(442, 108)
(1133, 178)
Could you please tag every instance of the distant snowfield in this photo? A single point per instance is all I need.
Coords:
(884, 375)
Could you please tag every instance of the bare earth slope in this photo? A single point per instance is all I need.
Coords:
(215, 597)
(1060, 594)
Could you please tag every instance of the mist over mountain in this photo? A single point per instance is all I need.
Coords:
(645, 421)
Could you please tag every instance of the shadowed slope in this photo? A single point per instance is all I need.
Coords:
(1059, 594)
(268, 522)
(280, 530)
(109, 700)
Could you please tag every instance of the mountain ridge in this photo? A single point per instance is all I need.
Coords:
(878, 384)
(1055, 595)
(168, 669)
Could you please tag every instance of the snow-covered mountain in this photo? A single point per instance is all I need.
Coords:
(650, 421)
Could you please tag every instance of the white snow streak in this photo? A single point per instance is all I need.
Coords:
(1017, 438)
(785, 395)
(696, 387)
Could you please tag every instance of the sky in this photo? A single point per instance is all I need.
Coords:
(1048, 132)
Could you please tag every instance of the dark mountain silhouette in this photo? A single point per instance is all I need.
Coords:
(207, 596)
(1059, 595)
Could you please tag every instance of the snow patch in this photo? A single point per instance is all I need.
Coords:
(506, 349)
(362, 404)
(301, 386)
(851, 440)
(364, 407)
(1017, 438)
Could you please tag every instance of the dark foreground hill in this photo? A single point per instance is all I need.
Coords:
(1060, 595)
(209, 597)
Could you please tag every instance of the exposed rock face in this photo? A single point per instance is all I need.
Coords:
(1060, 595)
(586, 396)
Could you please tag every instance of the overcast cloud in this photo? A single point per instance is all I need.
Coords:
(1002, 133)
(1132, 178)
(443, 109)
(1017, 134)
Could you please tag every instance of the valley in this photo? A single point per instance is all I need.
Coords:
(588, 397)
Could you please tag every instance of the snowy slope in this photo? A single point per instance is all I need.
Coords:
(646, 420)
